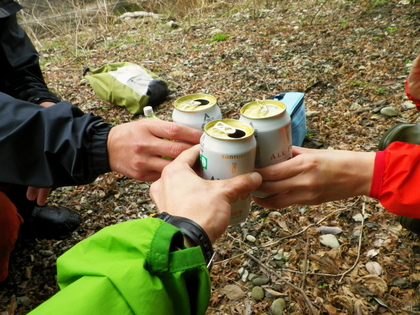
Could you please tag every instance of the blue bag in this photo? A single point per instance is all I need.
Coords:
(296, 109)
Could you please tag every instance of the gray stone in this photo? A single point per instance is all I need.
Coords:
(46, 253)
(251, 238)
(252, 276)
(390, 112)
(278, 307)
(257, 293)
(261, 280)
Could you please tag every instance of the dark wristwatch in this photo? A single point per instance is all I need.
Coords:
(194, 232)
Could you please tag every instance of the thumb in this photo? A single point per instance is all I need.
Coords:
(243, 184)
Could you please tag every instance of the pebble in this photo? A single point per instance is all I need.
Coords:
(278, 307)
(252, 276)
(330, 240)
(257, 293)
(278, 257)
(312, 113)
(261, 280)
(408, 105)
(274, 214)
(390, 112)
(251, 238)
(118, 209)
(245, 275)
(46, 253)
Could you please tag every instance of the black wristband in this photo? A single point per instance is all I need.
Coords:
(194, 232)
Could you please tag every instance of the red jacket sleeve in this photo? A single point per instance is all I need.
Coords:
(396, 179)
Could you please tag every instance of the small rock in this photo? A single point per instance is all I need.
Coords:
(251, 238)
(408, 105)
(144, 186)
(118, 209)
(216, 31)
(252, 276)
(278, 307)
(390, 112)
(274, 214)
(278, 257)
(330, 240)
(245, 275)
(261, 280)
(172, 25)
(46, 253)
(402, 283)
(257, 293)
(312, 113)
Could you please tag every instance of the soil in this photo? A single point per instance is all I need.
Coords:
(350, 58)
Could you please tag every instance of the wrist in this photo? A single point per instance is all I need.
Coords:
(410, 97)
(194, 235)
(363, 172)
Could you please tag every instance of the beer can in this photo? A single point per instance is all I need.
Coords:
(195, 110)
(227, 149)
(273, 132)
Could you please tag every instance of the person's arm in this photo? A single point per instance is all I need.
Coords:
(142, 266)
(412, 84)
(316, 176)
(182, 193)
(20, 61)
(50, 147)
(61, 146)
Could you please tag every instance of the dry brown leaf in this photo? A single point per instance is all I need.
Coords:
(374, 284)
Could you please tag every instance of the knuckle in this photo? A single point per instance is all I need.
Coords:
(173, 130)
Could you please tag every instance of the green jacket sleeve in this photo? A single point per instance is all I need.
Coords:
(129, 268)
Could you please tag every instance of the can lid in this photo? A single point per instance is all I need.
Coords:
(228, 129)
(195, 102)
(263, 109)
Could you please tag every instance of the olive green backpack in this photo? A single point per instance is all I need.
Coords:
(127, 84)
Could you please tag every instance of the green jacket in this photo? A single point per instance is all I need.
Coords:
(131, 268)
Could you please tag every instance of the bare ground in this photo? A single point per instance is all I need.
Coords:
(349, 58)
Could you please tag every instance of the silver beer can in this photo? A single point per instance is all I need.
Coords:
(273, 132)
(196, 110)
(227, 149)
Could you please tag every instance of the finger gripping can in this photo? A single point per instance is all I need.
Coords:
(227, 149)
(196, 110)
(273, 132)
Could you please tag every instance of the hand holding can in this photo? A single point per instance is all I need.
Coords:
(227, 149)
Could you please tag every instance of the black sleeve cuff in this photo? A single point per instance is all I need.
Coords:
(194, 232)
(99, 148)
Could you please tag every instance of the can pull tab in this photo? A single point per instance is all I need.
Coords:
(263, 107)
(193, 104)
(224, 128)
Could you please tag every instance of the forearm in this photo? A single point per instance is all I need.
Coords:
(50, 147)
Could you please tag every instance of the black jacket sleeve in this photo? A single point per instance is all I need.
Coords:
(50, 147)
(20, 73)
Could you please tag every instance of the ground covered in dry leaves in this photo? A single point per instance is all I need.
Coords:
(350, 58)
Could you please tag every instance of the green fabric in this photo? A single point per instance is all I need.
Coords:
(128, 268)
(118, 92)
